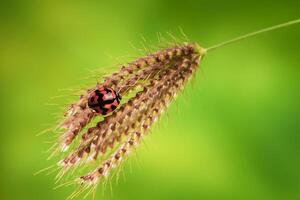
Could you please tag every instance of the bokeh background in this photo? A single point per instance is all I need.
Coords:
(233, 134)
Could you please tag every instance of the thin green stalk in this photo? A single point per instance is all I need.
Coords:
(289, 23)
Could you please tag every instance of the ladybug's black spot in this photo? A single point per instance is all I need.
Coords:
(107, 102)
(99, 94)
(113, 107)
(108, 90)
(104, 110)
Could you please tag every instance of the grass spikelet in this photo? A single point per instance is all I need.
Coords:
(150, 83)
(146, 117)
(136, 73)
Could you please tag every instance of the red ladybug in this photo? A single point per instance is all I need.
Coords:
(104, 100)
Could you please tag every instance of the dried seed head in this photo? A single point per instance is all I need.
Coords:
(160, 75)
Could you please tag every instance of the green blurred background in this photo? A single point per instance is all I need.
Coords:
(233, 134)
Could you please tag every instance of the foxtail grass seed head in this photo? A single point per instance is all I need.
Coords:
(150, 84)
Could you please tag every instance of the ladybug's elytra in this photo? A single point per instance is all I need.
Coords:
(104, 100)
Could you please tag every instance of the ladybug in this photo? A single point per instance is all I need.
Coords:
(104, 100)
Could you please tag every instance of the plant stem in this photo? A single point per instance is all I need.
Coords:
(289, 23)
